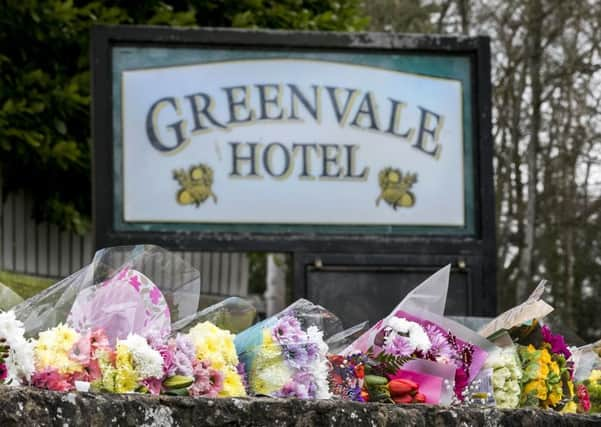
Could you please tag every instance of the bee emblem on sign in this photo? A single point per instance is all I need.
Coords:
(196, 185)
(394, 188)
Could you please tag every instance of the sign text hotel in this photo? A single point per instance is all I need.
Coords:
(291, 141)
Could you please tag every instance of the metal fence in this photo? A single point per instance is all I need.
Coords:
(41, 249)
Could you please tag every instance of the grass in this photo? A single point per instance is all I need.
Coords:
(24, 285)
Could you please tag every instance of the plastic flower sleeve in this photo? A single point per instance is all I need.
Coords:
(338, 342)
(140, 276)
(413, 332)
(587, 377)
(533, 308)
(430, 295)
(285, 355)
(233, 314)
(126, 303)
(434, 380)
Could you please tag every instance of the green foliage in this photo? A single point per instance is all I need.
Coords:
(45, 81)
(384, 364)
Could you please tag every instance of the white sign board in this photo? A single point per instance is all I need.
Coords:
(291, 141)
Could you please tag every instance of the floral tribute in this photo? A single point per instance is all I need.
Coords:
(285, 359)
(16, 352)
(506, 377)
(118, 338)
(403, 337)
(202, 363)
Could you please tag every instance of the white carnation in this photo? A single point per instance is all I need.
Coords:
(148, 362)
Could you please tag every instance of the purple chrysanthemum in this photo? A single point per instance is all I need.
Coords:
(398, 345)
(440, 348)
(296, 355)
(288, 331)
(301, 386)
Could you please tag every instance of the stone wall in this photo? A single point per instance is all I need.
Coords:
(30, 407)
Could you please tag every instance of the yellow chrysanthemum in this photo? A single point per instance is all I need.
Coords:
(232, 385)
(52, 350)
(554, 368)
(545, 356)
(214, 345)
(554, 398)
(538, 387)
(126, 379)
(530, 348)
(543, 370)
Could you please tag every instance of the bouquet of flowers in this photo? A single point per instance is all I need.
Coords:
(116, 334)
(545, 374)
(216, 355)
(506, 376)
(16, 352)
(545, 360)
(285, 355)
(412, 331)
(587, 378)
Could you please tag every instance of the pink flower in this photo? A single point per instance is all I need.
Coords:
(50, 379)
(99, 340)
(461, 379)
(168, 363)
(584, 400)
(207, 381)
(82, 350)
(153, 385)
(3, 371)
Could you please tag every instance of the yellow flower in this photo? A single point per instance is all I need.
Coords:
(214, 345)
(543, 370)
(554, 368)
(270, 349)
(595, 375)
(232, 385)
(530, 349)
(545, 356)
(554, 397)
(537, 387)
(125, 379)
(570, 389)
(53, 347)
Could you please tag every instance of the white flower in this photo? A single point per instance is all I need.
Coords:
(506, 377)
(10, 327)
(319, 368)
(273, 378)
(20, 361)
(399, 324)
(314, 335)
(148, 362)
(416, 335)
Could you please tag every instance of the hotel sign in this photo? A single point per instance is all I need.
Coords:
(229, 136)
